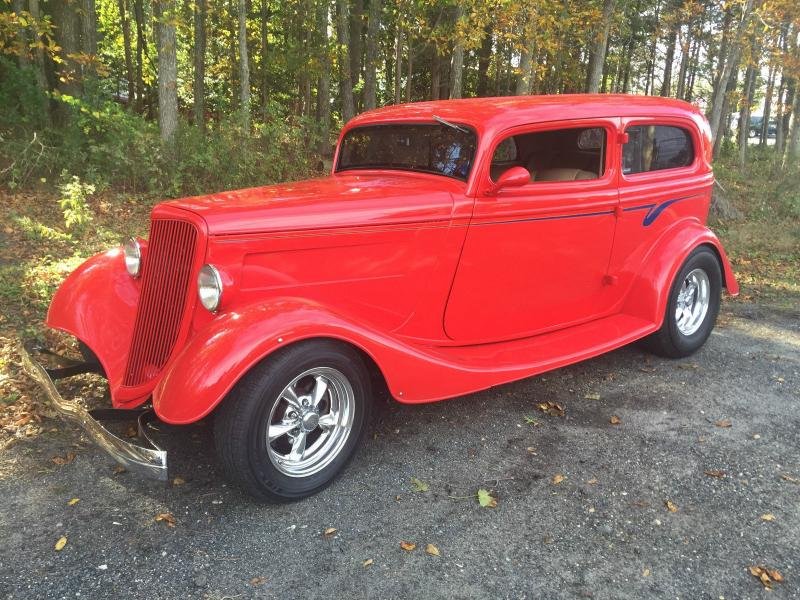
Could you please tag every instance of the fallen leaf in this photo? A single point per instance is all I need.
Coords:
(715, 473)
(486, 500)
(258, 580)
(62, 541)
(530, 450)
(418, 485)
(646, 573)
(329, 531)
(725, 423)
(768, 517)
(132, 431)
(592, 396)
(531, 421)
(64, 460)
(167, 518)
(765, 575)
(615, 420)
(671, 506)
(407, 546)
(789, 478)
(368, 562)
(178, 481)
(119, 469)
(432, 550)
(689, 366)
(551, 408)
(74, 501)
(592, 481)
(557, 478)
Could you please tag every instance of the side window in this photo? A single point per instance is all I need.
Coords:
(656, 147)
(571, 154)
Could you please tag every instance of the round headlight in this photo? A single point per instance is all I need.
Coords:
(209, 287)
(133, 257)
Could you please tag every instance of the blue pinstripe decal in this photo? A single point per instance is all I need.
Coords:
(654, 210)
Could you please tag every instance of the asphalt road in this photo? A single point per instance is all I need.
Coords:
(603, 532)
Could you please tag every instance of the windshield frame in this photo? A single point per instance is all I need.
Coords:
(338, 168)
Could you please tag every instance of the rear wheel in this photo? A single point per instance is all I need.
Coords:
(292, 423)
(692, 307)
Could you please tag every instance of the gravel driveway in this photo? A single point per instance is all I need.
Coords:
(717, 435)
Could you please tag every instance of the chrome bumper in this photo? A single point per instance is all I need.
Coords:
(148, 461)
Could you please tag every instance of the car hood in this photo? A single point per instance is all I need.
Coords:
(340, 200)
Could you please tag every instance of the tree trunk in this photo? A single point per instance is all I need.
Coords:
(346, 80)
(764, 133)
(22, 37)
(39, 59)
(685, 44)
(724, 125)
(779, 104)
(436, 72)
(244, 67)
(265, 57)
(457, 62)
(744, 112)
(409, 73)
(398, 64)
(164, 11)
(484, 59)
(729, 63)
(783, 128)
(324, 84)
(666, 82)
(793, 147)
(356, 39)
(525, 62)
(141, 50)
(67, 34)
(199, 56)
(598, 52)
(371, 68)
(124, 23)
(88, 27)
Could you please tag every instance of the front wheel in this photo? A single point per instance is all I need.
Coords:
(692, 307)
(292, 423)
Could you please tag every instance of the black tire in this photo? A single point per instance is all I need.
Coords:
(669, 341)
(241, 422)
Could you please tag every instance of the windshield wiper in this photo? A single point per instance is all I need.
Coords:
(449, 124)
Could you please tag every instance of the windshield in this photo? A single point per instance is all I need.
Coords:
(438, 149)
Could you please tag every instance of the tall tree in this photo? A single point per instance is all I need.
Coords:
(346, 80)
(164, 11)
(124, 23)
(457, 60)
(324, 83)
(199, 58)
(371, 66)
(598, 51)
(728, 63)
(244, 67)
(141, 50)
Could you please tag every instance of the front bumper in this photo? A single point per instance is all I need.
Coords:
(150, 460)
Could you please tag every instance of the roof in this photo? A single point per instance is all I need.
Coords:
(486, 114)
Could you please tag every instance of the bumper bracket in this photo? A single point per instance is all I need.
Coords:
(149, 460)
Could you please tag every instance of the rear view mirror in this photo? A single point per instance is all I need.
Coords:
(514, 177)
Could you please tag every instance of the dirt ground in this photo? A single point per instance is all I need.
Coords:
(699, 481)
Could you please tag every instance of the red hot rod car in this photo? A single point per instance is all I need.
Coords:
(456, 245)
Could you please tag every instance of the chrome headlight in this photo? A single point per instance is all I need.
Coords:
(133, 257)
(209, 287)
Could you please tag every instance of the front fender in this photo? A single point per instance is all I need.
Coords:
(649, 294)
(219, 355)
(96, 303)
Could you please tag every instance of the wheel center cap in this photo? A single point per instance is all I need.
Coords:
(310, 421)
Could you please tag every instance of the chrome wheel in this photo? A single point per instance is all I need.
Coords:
(693, 301)
(310, 422)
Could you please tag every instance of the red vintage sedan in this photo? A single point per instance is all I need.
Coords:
(456, 245)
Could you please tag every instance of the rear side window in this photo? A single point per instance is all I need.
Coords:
(655, 148)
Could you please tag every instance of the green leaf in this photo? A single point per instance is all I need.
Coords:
(419, 486)
(486, 500)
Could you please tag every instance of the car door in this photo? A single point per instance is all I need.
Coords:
(535, 257)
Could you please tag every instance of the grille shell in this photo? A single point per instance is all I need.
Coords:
(166, 281)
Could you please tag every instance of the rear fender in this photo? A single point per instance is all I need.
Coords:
(649, 294)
